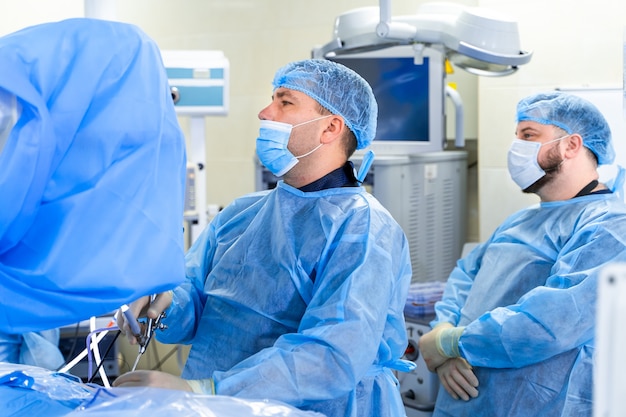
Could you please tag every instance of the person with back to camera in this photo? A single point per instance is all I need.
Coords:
(92, 180)
(297, 294)
(517, 318)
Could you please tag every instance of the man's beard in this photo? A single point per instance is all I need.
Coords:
(552, 169)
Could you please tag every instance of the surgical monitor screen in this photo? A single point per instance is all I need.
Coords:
(401, 90)
(409, 96)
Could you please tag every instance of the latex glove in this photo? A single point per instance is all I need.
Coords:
(142, 308)
(156, 379)
(440, 344)
(202, 386)
(458, 379)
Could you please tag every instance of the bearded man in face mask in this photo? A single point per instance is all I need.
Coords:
(297, 294)
(514, 331)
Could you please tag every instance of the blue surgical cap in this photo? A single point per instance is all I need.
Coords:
(573, 114)
(338, 89)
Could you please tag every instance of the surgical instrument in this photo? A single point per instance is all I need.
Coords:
(143, 336)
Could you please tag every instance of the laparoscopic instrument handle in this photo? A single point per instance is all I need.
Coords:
(132, 322)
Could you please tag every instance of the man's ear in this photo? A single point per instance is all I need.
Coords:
(574, 145)
(334, 129)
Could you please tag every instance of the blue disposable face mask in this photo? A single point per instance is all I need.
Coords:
(271, 146)
(523, 161)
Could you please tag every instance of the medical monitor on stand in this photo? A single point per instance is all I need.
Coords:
(410, 96)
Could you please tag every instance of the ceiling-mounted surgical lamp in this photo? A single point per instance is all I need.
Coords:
(477, 40)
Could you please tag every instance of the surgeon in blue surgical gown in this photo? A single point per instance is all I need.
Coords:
(514, 332)
(297, 294)
(92, 177)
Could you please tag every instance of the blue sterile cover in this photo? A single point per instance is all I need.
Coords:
(92, 175)
(27, 391)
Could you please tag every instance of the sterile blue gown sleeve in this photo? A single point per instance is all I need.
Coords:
(92, 176)
(527, 297)
(298, 297)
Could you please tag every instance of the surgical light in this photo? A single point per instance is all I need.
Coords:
(477, 40)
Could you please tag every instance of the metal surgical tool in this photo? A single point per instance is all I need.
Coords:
(143, 336)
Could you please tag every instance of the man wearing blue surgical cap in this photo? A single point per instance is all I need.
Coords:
(514, 332)
(297, 294)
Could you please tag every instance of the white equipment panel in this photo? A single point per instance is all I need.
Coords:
(199, 81)
(418, 387)
(609, 389)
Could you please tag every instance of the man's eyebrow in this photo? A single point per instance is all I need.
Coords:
(526, 129)
(285, 94)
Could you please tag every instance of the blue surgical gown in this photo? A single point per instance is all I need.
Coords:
(92, 176)
(527, 297)
(298, 297)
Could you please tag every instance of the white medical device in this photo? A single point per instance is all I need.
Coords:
(199, 82)
(478, 40)
(609, 388)
(403, 58)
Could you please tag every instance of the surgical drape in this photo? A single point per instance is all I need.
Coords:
(91, 176)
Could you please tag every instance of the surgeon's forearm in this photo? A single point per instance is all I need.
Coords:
(448, 309)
